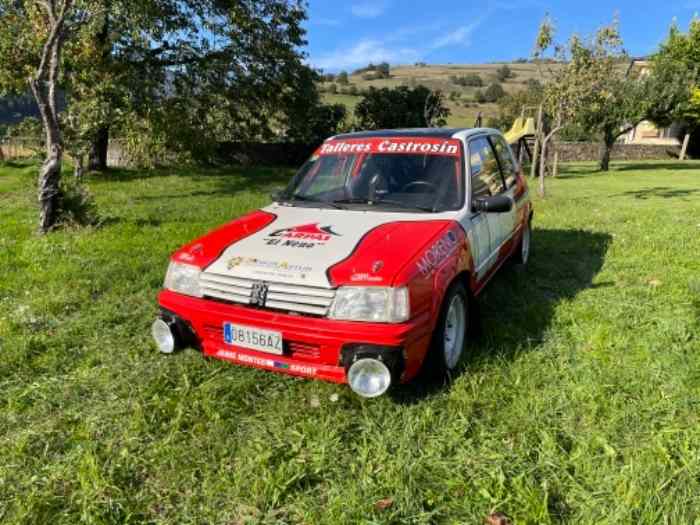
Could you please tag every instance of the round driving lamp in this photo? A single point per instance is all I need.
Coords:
(369, 377)
(163, 336)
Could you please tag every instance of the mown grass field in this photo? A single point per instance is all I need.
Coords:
(580, 403)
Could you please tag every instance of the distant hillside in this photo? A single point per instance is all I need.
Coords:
(445, 78)
(15, 109)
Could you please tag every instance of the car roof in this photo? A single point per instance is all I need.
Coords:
(440, 133)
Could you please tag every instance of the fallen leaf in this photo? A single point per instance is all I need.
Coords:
(334, 398)
(315, 402)
(497, 518)
(655, 283)
(384, 504)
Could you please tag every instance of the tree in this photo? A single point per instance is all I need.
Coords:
(494, 92)
(504, 73)
(184, 73)
(343, 78)
(589, 84)
(678, 63)
(400, 107)
(44, 27)
(435, 111)
(468, 80)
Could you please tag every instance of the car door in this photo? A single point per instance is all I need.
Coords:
(507, 221)
(484, 180)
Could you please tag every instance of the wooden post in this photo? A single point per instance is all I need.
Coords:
(684, 149)
(555, 167)
(538, 134)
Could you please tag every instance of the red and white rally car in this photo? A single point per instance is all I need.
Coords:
(363, 267)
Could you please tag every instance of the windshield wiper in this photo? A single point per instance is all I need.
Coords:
(390, 202)
(400, 204)
(303, 198)
(354, 200)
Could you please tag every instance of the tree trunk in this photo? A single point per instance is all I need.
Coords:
(98, 150)
(605, 151)
(543, 165)
(48, 191)
(44, 85)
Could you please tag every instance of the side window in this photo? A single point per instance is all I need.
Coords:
(505, 157)
(486, 177)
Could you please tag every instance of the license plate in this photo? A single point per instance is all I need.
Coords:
(253, 338)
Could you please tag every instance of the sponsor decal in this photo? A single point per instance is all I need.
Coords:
(271, 267)
(252, 360)
(365, 277)
(404, 145)
(304, 236)
(437, 253)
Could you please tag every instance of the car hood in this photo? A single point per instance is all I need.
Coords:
(302, 245)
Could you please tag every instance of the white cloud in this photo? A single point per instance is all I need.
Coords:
(460, 36)
(368, 9)
(364, 52)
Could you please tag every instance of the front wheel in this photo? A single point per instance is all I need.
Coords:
(450, 333)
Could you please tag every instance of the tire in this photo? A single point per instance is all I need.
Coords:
(450, 335)
(522, 254)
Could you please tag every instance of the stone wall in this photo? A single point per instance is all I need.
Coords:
(588, 151)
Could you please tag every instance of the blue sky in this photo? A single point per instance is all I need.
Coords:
(350, 34)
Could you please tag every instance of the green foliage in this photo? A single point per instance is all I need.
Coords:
(343, 78)
(494, 92)
(76, 205)
(577, 405)
(676, 77)
(400, 107)
(375, 72)
(468, 80)
(589, 89)
(504, 73)
(510, 107)
(221, 70)
(304, 118)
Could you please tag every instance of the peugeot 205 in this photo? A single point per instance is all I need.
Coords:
(364, 268)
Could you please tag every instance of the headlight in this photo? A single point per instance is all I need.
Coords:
(183, 278)
(371, 303)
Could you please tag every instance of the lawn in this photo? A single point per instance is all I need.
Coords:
(580, 402)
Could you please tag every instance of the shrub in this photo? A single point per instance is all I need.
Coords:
(504, 73)
(468, 80)
(494, 92)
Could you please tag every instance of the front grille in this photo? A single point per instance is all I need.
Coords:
(304, 350)
(288, 297)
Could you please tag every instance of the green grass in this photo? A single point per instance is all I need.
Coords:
(579, 403)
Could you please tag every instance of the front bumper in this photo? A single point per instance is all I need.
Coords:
(313, 347)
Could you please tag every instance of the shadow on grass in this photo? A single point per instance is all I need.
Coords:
(516, 309)
(229, 180)
(663, 192)
(664, 165)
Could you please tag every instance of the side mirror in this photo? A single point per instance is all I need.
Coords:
(496, 204)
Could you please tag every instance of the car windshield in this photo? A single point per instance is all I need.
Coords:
(393, 174)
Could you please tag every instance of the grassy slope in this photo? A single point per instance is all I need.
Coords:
(438, 77)
(579, 404)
